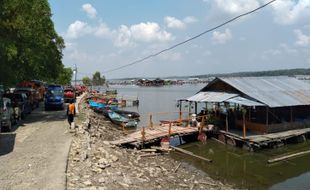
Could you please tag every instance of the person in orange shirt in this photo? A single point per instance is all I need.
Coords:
(71, 112)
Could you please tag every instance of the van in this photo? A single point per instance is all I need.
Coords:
(54, 97)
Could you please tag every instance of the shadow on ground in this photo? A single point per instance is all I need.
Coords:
(7, 142)
(7, 139)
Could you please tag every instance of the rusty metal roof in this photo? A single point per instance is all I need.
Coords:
(244, 101)
(210, 97)
(273, 91)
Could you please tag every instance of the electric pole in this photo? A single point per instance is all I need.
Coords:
(75, 74)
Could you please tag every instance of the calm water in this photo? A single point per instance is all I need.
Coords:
(232, 165)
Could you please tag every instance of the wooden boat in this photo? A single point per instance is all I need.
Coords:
(128, 114)
(121, 120)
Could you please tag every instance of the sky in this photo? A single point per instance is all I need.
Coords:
(101, 35)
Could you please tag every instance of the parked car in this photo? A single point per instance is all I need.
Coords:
(20, 103)
(69, 94)
(8, 118)
(33, 96)
(54, 97)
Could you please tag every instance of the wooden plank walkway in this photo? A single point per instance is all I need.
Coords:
(258, 139)
(156, 133)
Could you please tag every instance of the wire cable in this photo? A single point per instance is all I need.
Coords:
(190, 39)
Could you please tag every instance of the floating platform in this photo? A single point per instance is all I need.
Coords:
(154, 134)
(272, 140)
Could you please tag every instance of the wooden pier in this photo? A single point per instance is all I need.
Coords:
(150, 135)
(254, 142)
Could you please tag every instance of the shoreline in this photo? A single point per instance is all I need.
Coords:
(93, 163)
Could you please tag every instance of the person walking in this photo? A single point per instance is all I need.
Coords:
(71, 112)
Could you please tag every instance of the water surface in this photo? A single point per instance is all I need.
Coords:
(232, 165)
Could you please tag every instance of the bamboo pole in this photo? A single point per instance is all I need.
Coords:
(190, 154)
(288, 156)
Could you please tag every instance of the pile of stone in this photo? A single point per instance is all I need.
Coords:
(96, 164)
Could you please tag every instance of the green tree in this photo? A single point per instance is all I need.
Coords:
(86, 81)
(98, 80)
(65, 76)
(30, 48)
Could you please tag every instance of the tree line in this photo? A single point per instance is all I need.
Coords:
(97, 80)
(30, 48)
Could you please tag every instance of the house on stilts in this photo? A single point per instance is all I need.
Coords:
(256, 112)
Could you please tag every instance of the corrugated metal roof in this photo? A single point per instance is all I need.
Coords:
(244, 101)
(273, 91)
(211, 97)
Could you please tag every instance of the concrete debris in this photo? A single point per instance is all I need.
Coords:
(96, 164)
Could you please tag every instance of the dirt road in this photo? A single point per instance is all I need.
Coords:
(34, 155)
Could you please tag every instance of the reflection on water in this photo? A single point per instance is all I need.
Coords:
(250, 170)
(231, 165)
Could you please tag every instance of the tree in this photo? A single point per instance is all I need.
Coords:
(97, 79)
(65, 76)
(30, 48)
(87, 81)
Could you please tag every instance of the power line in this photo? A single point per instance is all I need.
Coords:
(190, 39)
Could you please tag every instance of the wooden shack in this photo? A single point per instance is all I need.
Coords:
(258, 105)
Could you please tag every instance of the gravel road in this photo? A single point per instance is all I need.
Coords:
(34, 155)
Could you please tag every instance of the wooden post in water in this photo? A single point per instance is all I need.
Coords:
(291, 110)
(180, 116)
(151, 122)
(143, 136)
(267, 117)
(244, 129)
(169, 131)
(226, 122)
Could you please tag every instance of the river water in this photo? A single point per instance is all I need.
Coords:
(231, 165)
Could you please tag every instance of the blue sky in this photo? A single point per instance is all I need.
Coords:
(102, 35)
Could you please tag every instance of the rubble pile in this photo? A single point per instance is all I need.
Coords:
(94, 163)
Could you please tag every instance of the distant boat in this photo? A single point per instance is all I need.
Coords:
(121, 120)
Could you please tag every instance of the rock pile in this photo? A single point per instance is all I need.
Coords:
(95, 164)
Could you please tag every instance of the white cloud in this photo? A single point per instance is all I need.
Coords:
(143, 32)
(173, 22)
(77, 29)
(90, 10)
(284, 11)
(123, 38)
(102, 30)
(221, 38)
(291, 11)
(302, 39)
(190, 19)
(234, 7)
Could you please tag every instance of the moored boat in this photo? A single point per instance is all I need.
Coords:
(121, 120)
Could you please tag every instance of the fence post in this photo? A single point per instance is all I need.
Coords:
(143, 136)
(151, 122)
(169, 131)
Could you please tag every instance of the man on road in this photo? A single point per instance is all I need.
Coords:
(71, 112)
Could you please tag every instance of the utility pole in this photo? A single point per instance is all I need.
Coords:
(75, 74)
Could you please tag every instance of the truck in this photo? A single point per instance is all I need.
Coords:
(54, 97)
(69, 94)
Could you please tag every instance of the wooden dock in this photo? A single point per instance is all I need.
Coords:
(154, 134)
(266, 140)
